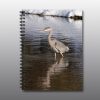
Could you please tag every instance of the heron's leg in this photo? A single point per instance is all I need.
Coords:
(55, 55)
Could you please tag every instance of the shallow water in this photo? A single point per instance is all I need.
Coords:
(40, 70)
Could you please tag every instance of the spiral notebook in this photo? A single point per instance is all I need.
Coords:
(51, 50)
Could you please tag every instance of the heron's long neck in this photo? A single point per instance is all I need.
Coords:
(49, 36)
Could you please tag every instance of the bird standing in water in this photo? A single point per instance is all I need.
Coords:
(55, 44)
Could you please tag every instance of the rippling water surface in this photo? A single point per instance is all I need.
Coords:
(40, 70)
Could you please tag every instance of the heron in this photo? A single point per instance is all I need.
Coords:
(56, 45)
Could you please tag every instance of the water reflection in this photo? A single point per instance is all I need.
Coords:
(40, 71)
(56, 68)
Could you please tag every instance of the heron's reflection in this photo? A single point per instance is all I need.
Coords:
(56, 68)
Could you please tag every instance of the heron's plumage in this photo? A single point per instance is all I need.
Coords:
(55, 44)
(58, 46)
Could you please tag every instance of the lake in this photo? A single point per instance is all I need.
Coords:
(40, 70)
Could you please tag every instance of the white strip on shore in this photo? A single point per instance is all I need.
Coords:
(63, 13)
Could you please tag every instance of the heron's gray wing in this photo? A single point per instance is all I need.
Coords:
(60, 46)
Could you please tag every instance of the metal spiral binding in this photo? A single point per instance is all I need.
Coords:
(22, 34)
